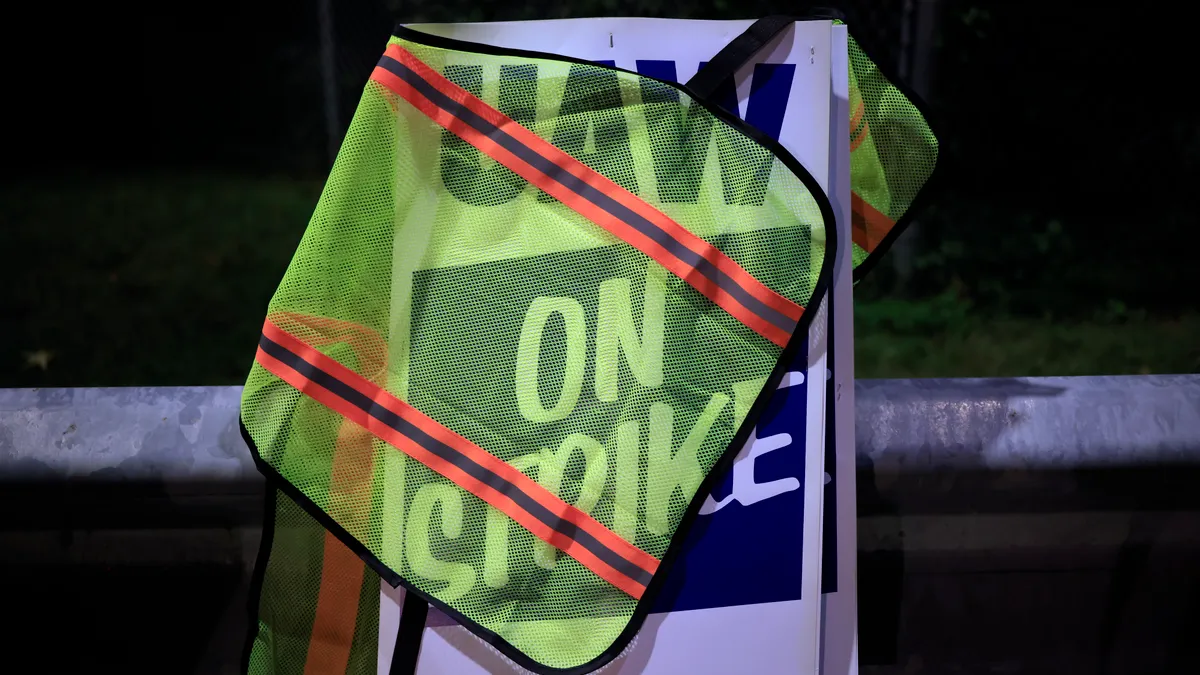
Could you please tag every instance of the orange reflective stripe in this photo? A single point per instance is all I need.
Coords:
(590, 194)
(857, 116)
(370, 349)
(858, 139)
(859, 128)
(337, 609)
(469, 466)
(868, 226)
(336, 615)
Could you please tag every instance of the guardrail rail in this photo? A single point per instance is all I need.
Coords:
(1004, 525)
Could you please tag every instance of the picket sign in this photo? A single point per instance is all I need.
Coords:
(746, 594)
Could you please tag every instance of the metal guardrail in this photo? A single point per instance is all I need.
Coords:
(190, 433)
(1028, 423)
(1061, 513)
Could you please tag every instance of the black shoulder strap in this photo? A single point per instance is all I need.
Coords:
(735, 54)
(408, 637)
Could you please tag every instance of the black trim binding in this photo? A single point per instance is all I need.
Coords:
(799, 336)
(283, 485)
(254, 595)
(734, 55)
(924, 195)
(408, 636)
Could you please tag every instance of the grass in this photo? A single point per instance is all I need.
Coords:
(944, 336)
(165, 279)
(158, 280)
(1011, 347)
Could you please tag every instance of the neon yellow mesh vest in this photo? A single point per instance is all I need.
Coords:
(535, 312)
(893, 157)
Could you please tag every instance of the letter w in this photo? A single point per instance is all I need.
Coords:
(745, 166)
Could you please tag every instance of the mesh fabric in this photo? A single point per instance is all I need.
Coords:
(512, 320)
(291, 640)
(893, 151)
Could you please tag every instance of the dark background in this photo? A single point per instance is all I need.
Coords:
(162, 162)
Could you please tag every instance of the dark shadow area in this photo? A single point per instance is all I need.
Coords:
(117, 505)
(880, 580)
(115, 618)
(982, 491)
(127, 576)
(147, 572)
(163, 162)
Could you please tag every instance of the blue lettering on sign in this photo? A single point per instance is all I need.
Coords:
(769, 91)
(748, 549)
(659, 70)
(770, 87)
(472, 180)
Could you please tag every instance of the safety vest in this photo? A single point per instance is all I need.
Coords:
(538, 309)
(893, 157)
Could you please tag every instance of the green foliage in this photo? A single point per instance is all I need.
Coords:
(164, 279)
(945, 313)
(158, 279)
(1062, 193)
(940, 344)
